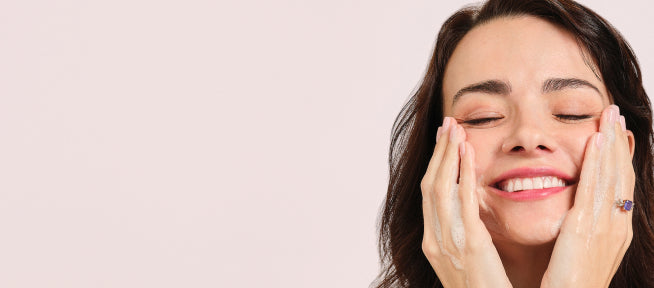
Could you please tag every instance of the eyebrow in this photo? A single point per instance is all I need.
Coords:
(557, 84)
(503, 88)
(488, 87)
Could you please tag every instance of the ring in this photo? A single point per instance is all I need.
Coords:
(626, 205)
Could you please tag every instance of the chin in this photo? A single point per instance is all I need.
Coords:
(526, 223)
(535, 235)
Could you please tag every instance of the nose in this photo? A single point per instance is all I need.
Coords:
(528, 136)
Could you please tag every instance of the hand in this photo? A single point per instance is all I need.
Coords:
(596, 233)
(455, 240)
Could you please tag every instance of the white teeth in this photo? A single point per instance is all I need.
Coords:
(538, 183)
(519, 184)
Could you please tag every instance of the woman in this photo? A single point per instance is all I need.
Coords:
(537, 110)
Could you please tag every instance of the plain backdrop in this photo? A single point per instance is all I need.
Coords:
(210, 143)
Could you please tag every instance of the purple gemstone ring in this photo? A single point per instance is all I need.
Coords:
(626, 205)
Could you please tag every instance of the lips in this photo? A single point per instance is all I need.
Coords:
(531, 183)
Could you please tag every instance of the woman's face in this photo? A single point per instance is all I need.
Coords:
(529, 101)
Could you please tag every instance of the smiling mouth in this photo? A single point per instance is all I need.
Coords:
(531, 183)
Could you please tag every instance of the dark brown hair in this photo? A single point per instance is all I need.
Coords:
(414, 136)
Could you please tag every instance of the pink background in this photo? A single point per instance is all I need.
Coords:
(209, 144)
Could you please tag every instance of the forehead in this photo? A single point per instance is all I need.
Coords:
(523, 51)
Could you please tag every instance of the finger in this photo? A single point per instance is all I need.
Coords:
(437, 156)
(625, 177)
(605, 194)
(460, 229)
(468, 193)
(583, 204)
(448, 171)
(468, 183)
(432, 239)
(589, 171)
(625, 165)
(446, 198)
(625, 187)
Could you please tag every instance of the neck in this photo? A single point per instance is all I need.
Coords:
(525, 265)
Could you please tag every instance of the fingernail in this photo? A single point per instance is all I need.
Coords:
(462, 149)
(612, 115)
(438, 133)
(446, 123)
(598, 140)
(623, 124)
(615, 108)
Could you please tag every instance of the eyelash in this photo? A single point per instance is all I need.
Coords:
(564, 117)
(567, 117)
(481, 121)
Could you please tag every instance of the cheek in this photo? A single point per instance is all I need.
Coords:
(573, 140)
(486, 145)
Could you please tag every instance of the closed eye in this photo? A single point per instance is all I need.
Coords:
(481, 121)
(569, 117)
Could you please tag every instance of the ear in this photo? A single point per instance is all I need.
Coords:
(632, 143)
